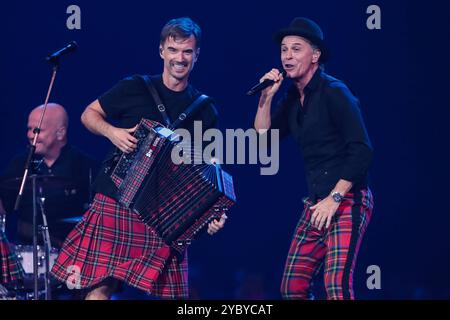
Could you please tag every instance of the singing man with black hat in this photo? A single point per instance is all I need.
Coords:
(324, 118)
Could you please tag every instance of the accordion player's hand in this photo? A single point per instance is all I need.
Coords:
(123, 138)
(215, 225)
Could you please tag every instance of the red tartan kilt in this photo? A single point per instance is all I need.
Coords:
(111, 241)
(11, 270)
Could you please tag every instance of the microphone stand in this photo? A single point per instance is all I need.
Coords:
(31, 153)
(47, 247)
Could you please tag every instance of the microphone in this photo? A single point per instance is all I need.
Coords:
(71, 47)
(262, 85)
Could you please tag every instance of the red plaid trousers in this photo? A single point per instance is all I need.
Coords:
(336, 247)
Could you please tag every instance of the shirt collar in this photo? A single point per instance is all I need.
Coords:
(314, 82)
(311, 86)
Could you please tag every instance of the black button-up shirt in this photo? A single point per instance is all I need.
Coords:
(330, 132)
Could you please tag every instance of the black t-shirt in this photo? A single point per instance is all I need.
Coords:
(62, 200)
(130, 100)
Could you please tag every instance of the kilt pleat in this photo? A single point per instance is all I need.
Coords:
(11, 270)
(111, 241)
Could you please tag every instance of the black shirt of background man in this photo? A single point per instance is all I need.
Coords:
(129, 101)
(60, 202)
(330, 132)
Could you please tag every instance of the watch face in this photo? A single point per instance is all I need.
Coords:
(337, 197)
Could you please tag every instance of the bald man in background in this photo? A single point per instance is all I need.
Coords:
(65, 197)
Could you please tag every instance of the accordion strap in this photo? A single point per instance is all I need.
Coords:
(159, 104)
(189, 110)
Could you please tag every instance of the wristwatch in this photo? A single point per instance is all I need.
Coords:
(337, 197)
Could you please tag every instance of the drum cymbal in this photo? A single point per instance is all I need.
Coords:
(45, 181)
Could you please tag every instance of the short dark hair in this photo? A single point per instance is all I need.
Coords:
(181, 28)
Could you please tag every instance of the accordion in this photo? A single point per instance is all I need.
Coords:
(175, 200)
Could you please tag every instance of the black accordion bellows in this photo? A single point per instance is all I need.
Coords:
(175, 200)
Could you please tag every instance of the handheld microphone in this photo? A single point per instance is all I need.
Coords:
(71, 47)
(262, 85)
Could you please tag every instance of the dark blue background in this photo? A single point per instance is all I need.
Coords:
(399, 73)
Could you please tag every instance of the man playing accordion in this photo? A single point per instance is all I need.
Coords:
(111, 243)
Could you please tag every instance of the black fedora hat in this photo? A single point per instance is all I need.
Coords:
(308, 29)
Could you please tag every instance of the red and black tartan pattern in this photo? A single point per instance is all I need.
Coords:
(111, 241)
(336, 247)
(11, 269)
